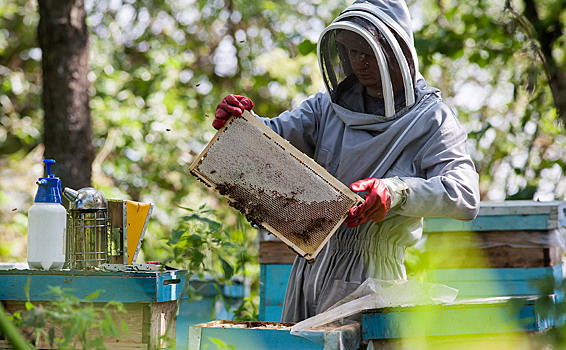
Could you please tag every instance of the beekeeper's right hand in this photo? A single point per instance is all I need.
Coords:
(231, 105)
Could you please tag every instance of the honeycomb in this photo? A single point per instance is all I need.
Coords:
(274, 185)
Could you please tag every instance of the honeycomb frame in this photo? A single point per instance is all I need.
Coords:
(275, 185)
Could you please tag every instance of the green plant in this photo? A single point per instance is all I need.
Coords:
(202, 245)
(10, 332)
(68, 322)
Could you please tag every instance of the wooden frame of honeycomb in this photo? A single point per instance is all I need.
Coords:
(274, 185)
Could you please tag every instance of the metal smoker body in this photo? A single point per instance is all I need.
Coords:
(88, 228)
(103, 233)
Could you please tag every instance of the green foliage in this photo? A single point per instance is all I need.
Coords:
(9, 332)
(68, 322)
(158, 69)
(415, 263)
(203, 246)
(200, 244)
(220, 344)
(552, 308)
(489, 69)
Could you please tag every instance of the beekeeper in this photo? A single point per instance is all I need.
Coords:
(382, 131)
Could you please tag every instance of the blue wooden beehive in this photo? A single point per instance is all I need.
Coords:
(458, 321)
(512, 248)
(248, 335)
(149, 298)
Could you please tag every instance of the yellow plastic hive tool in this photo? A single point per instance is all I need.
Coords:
(137, 217)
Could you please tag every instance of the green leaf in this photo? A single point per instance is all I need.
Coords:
(124, 325)
(175, 236)
(306, 47)
(220, 344)
(29, 305)
(214, 225)
(227, 268)
(189, 209)
(197, 257)
(26, 289)
(93, 295)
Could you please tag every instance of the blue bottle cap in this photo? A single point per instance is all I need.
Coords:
(49, 190)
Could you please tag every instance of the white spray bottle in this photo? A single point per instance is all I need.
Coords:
(47, 222)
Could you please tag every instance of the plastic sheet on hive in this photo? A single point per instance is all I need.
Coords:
(274, 185)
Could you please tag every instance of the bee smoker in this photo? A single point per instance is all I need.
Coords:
(102, 233)
(88, 228)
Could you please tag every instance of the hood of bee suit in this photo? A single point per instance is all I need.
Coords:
(370, 46)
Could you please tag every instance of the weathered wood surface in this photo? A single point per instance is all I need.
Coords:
(275, 252)
(499, 249)
(114, 285)
(502, 341)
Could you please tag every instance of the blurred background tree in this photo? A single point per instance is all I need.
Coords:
(158, 68)
(498, 63)
(63, 38)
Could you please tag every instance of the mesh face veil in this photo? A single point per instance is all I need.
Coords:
(364, 45)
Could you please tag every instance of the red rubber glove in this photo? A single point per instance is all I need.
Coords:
(377, 202)
(231, 105)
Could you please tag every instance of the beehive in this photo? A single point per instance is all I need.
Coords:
(274, 185)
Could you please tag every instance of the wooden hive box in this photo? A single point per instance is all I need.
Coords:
(248, 335)
(484, 323)
(504, 235)
(149, 298)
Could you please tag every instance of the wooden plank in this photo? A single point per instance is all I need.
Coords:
(275, 252)
(485, 289)
(273, 285)
(491, 249)
(239, 335)
(490, 282)
(492, 239)
(114, 286)
(489, 223)
(211, 335)
(497, 257)
(4, 344)
(511, 340)
(496, 274)
(479, 316)
(521, 207)
(162, 315)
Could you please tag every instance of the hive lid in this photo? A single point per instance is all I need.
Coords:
(274, 184)
(511, 215)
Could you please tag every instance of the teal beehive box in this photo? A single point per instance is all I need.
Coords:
(503, 235)
(512, 248)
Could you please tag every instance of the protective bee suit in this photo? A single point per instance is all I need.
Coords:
(403, 133)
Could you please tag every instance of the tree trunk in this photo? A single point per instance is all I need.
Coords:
(548, 31)
(63, 38)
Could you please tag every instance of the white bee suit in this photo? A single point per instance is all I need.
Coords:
(412, 135)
